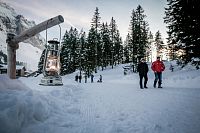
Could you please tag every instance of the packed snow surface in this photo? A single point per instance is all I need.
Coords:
(117, 105)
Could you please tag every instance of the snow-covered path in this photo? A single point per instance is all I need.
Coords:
(127, 109)
(115, 106)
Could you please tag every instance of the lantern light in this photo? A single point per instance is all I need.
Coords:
(51, 66)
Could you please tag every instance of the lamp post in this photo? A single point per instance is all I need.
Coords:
(51, 66)
(13, 41)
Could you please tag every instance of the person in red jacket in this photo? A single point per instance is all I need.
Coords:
(158, 67)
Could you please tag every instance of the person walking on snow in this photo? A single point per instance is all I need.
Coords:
(76, 78)
(171, 68)
(85, 78)
(100, 78)
(143, 70)
(80, 77)
(158, 67)
(92, 78)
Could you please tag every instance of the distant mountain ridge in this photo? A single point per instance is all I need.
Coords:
(11, 22)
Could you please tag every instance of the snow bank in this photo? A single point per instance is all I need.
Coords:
(186, 77)
(19, 106)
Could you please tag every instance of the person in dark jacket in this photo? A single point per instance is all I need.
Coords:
(85, 78)
(143, 70)
(76, 78)
(92, 78)
(100, 78)
(80, 77)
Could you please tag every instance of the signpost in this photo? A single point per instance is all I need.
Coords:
(12, 41)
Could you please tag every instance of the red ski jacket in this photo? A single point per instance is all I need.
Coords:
(158, 66)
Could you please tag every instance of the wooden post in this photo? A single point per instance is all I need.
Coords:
(11, 59)
(13, 41)
(11, 70)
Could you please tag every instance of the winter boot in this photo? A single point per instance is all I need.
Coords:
(145, 86)
(159, 84)
(141, 87)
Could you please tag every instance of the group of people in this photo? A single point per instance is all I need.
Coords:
(157, 66)
(78, 78)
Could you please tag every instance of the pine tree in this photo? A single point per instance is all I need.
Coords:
(142, 32)
(133, 45)
(64, 55)
(159, 43)
(118, 47)
(95, 24)
(91, 51)
(184, 26)
(138, 34)
(105, 46)
(83, 47)
(69, 53)
(112, 36)
(150, 46)
(127, 49)
(96, 20)
(116, 42)
(121, 54)
(172, 48)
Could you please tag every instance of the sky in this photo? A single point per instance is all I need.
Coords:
(79, 13)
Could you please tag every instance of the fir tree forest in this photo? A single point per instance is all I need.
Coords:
(102, 45)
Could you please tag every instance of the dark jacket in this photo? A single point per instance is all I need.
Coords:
(143, 68)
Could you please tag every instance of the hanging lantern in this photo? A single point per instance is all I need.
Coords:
(51, 67)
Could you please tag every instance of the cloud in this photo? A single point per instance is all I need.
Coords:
(79, 13)
(37, 10)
